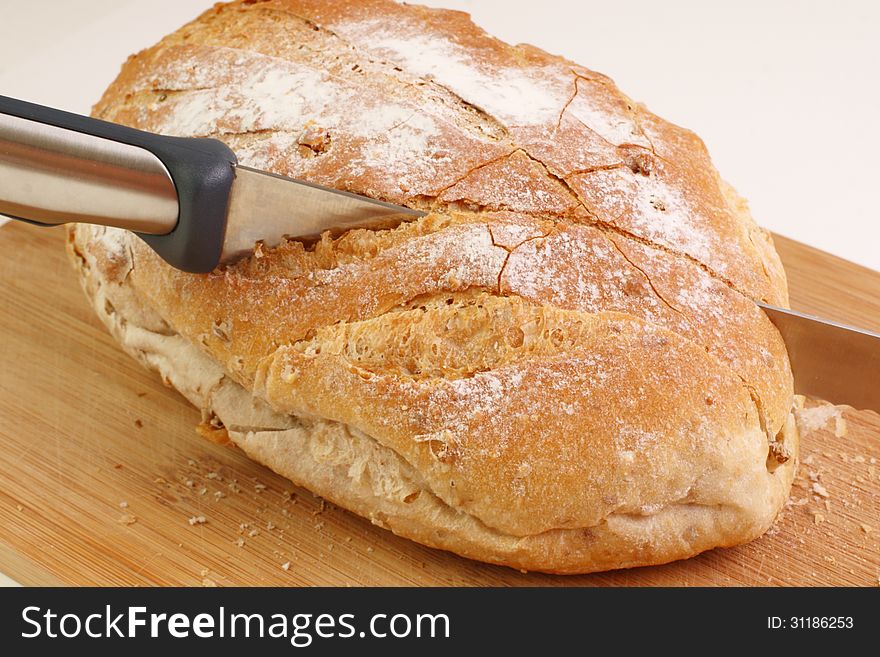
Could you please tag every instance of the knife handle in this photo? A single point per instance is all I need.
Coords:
(173, 192)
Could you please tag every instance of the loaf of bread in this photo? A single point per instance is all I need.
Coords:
(560, 368)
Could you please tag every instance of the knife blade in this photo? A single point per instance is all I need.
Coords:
(265, 207)
(830, 361)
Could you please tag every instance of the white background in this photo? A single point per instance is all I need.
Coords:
(786, 94)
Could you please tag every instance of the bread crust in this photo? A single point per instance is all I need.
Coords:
(560, 368)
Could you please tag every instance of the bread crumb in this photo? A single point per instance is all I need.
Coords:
(123, 504)
(189, 483)
(867, 528)
(126, 519)
(139, 424)
(253, 532)
(19, 507)
(270, 525)
(203, 490)
(117, 466)
(239, 542)
(160, 480)
(820, 490)
(259, 487)
(197, 520)
(191, 462)
(285, 565)
(212, 475)
(817, 417)
(369, 549)
(818, 518)
(219, 494)
(206, 581)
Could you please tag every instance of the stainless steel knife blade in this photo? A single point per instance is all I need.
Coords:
(830, 361)
(264, 207)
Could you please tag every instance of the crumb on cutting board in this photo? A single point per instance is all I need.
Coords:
(818, 417)
(820, 490)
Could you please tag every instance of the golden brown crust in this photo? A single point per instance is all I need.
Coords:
(564, 357)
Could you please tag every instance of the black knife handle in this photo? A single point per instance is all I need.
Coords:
(82, 153)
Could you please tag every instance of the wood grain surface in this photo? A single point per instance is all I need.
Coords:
(103, 479)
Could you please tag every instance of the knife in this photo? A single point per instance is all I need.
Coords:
(188, 198)
(830, 361)
(197, 207)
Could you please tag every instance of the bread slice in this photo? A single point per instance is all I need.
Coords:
(560, 368)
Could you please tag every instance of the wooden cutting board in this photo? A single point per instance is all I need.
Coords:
(103, 479)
